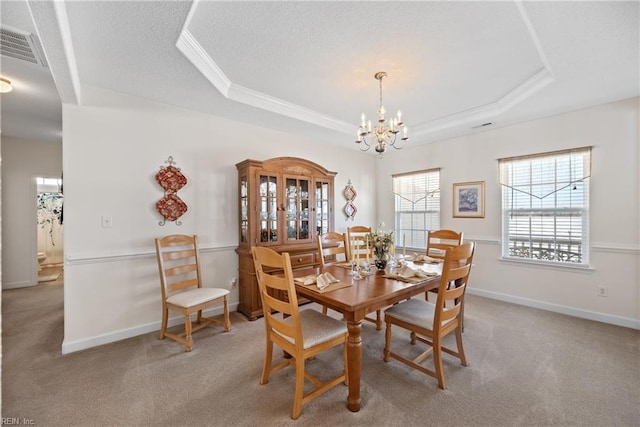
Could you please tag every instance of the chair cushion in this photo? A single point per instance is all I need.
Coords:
(318, 328)
(196, 296)
(414, 311)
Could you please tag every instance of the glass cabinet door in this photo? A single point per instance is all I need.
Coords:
(297, 207)
(268, 208)
(322, 207)
(244, 209)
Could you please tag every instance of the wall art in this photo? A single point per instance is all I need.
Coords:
(171, 179)
(468, 199)
(350, 194)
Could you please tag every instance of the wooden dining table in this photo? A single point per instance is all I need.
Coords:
(365, 296)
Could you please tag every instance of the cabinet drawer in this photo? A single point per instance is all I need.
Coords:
(300, 260)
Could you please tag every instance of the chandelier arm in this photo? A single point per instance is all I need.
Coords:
(364, 140)
(393, 143)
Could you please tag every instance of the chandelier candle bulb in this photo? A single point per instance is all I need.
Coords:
(404, 245)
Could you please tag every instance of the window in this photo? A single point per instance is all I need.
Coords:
(417, 207)
(545, 206)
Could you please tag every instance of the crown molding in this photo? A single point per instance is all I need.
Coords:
(200, 58)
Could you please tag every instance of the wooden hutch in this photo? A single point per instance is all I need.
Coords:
(285, 203)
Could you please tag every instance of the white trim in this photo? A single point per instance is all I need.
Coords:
(129, 256)
(548, 264)
(482, 239)
(608, 247)
(198, 56)
(556, 308)
(73, 346)
(261, 100)
(615, 248)
(16, 285)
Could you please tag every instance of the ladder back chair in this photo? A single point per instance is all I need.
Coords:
(332, 248)
(182, 290)
(437, 243)
(357, 242)
(357, 245)
(429, 323)
(302, 334)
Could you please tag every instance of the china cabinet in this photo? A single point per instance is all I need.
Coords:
(285, 203)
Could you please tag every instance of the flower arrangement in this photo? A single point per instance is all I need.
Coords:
(381, 243)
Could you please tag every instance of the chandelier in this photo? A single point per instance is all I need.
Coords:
(385, 132)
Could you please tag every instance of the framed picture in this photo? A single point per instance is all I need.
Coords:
(468, 199)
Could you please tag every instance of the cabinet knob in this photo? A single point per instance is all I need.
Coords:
(299, 259)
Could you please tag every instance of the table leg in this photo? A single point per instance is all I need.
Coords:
(354, 361)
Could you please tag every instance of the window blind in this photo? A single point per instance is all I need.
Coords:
(545, 206)
(417, 206)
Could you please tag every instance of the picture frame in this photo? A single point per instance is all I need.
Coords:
(468, 199)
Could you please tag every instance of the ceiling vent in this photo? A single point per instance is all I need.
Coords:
(482, 125)
(20, 45)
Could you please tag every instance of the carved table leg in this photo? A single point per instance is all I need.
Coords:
(354, 360)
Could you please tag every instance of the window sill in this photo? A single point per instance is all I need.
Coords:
(552, 266)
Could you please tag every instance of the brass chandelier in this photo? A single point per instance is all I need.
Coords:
(385, 132)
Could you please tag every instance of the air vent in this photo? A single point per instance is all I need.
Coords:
(482, 125)
(19, 45)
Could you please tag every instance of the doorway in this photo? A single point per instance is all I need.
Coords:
(50, 224)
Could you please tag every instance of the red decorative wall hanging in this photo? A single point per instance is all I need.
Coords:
(171, 179)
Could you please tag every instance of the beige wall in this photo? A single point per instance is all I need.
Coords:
(612, 130)
(113, 147)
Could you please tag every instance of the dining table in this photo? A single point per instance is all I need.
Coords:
(357, 297)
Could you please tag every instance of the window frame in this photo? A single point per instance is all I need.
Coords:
(408, 237)
(555, 225)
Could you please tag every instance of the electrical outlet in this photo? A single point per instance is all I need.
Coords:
(106, 221)
(234, 282)
(603, 291)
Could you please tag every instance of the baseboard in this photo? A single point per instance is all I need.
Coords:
(73, 346)
(16, 285)
(576, 312)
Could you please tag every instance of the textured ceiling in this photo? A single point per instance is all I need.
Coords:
(308, 67)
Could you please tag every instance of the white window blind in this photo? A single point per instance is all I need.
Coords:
(545, 206)
(417, 206)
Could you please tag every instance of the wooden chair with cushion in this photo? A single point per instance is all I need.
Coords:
(439, 240)
(357, 243)
(332, 248)
(437, 243)
(182, 290)
(429, 323)
(357, 249)
(301, 333)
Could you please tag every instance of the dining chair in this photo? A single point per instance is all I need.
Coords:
(429, 323)
(301, 333)
(437, 243)
(181, 284)
(439, 240)
(332, 248)
(357, 242)
(358, 249)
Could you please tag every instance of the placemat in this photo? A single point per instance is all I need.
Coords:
(343, 264)
(331, 287)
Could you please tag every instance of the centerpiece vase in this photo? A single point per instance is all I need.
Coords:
(381, 259)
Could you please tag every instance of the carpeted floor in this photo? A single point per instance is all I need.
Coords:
(526, 367)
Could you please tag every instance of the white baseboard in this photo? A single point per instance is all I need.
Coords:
(576, 312)
(16, 285)
(73, 346)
